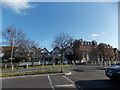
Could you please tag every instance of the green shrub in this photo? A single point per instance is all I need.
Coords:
(22, 60)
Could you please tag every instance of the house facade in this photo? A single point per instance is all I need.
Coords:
(34, 54)
(7, 52)
(20, 53)
(82, 48)
(88, 51)
(82, 51)
(55, 52)
(67, 55)
(45, 54)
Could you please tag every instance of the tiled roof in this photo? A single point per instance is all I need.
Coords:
(7, 47)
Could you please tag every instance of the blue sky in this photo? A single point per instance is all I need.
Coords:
(42, 21)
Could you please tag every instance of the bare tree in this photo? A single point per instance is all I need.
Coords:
(110, 53)
(106, 51)
(62, 41)
(102, 50)
(81, 54)
(28, 44)
(13, 35)
(93, 53)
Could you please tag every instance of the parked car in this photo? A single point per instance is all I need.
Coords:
(113, 72)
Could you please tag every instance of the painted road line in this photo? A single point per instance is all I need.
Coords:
(73, 82)
(67, 85)
(50, 81)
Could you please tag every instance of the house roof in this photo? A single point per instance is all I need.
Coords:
(5, 48)
(44, 49)
(20, 47)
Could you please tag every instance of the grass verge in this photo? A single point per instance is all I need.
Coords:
(35, 67)
(29, 73)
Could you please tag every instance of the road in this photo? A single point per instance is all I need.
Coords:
(89, 77)
(83, 77)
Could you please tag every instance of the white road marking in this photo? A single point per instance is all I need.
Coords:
(50, 81)
(67, 85)
(73, 82)
(68, 79)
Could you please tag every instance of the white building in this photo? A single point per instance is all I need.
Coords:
(20, 53)
(56, 52)
(35, 54)
(45, 54)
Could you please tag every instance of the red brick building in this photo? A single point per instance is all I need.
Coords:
(89, 50)
(82, 48)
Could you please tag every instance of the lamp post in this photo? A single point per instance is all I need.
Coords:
(12, 48)
(60, 62)
(12, 52)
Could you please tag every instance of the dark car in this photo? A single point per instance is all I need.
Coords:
(113, 72)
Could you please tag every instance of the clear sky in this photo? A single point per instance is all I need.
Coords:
(42, 21)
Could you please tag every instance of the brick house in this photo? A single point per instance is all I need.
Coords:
(82, 48)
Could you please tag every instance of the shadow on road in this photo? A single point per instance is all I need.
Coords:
(77, 70)
(98, 84)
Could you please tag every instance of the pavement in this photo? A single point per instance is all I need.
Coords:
(80, 77)
(46, 81)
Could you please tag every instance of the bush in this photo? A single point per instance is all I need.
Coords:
(22, 60)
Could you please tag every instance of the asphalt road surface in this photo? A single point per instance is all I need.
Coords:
(83, 77)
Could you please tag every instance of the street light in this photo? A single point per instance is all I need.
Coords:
(60, 61)
(12, 53)
(12, 49)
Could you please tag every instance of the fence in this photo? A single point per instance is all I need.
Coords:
(109, 63)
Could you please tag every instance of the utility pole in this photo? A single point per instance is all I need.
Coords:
(12, 52)
(12, 49)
